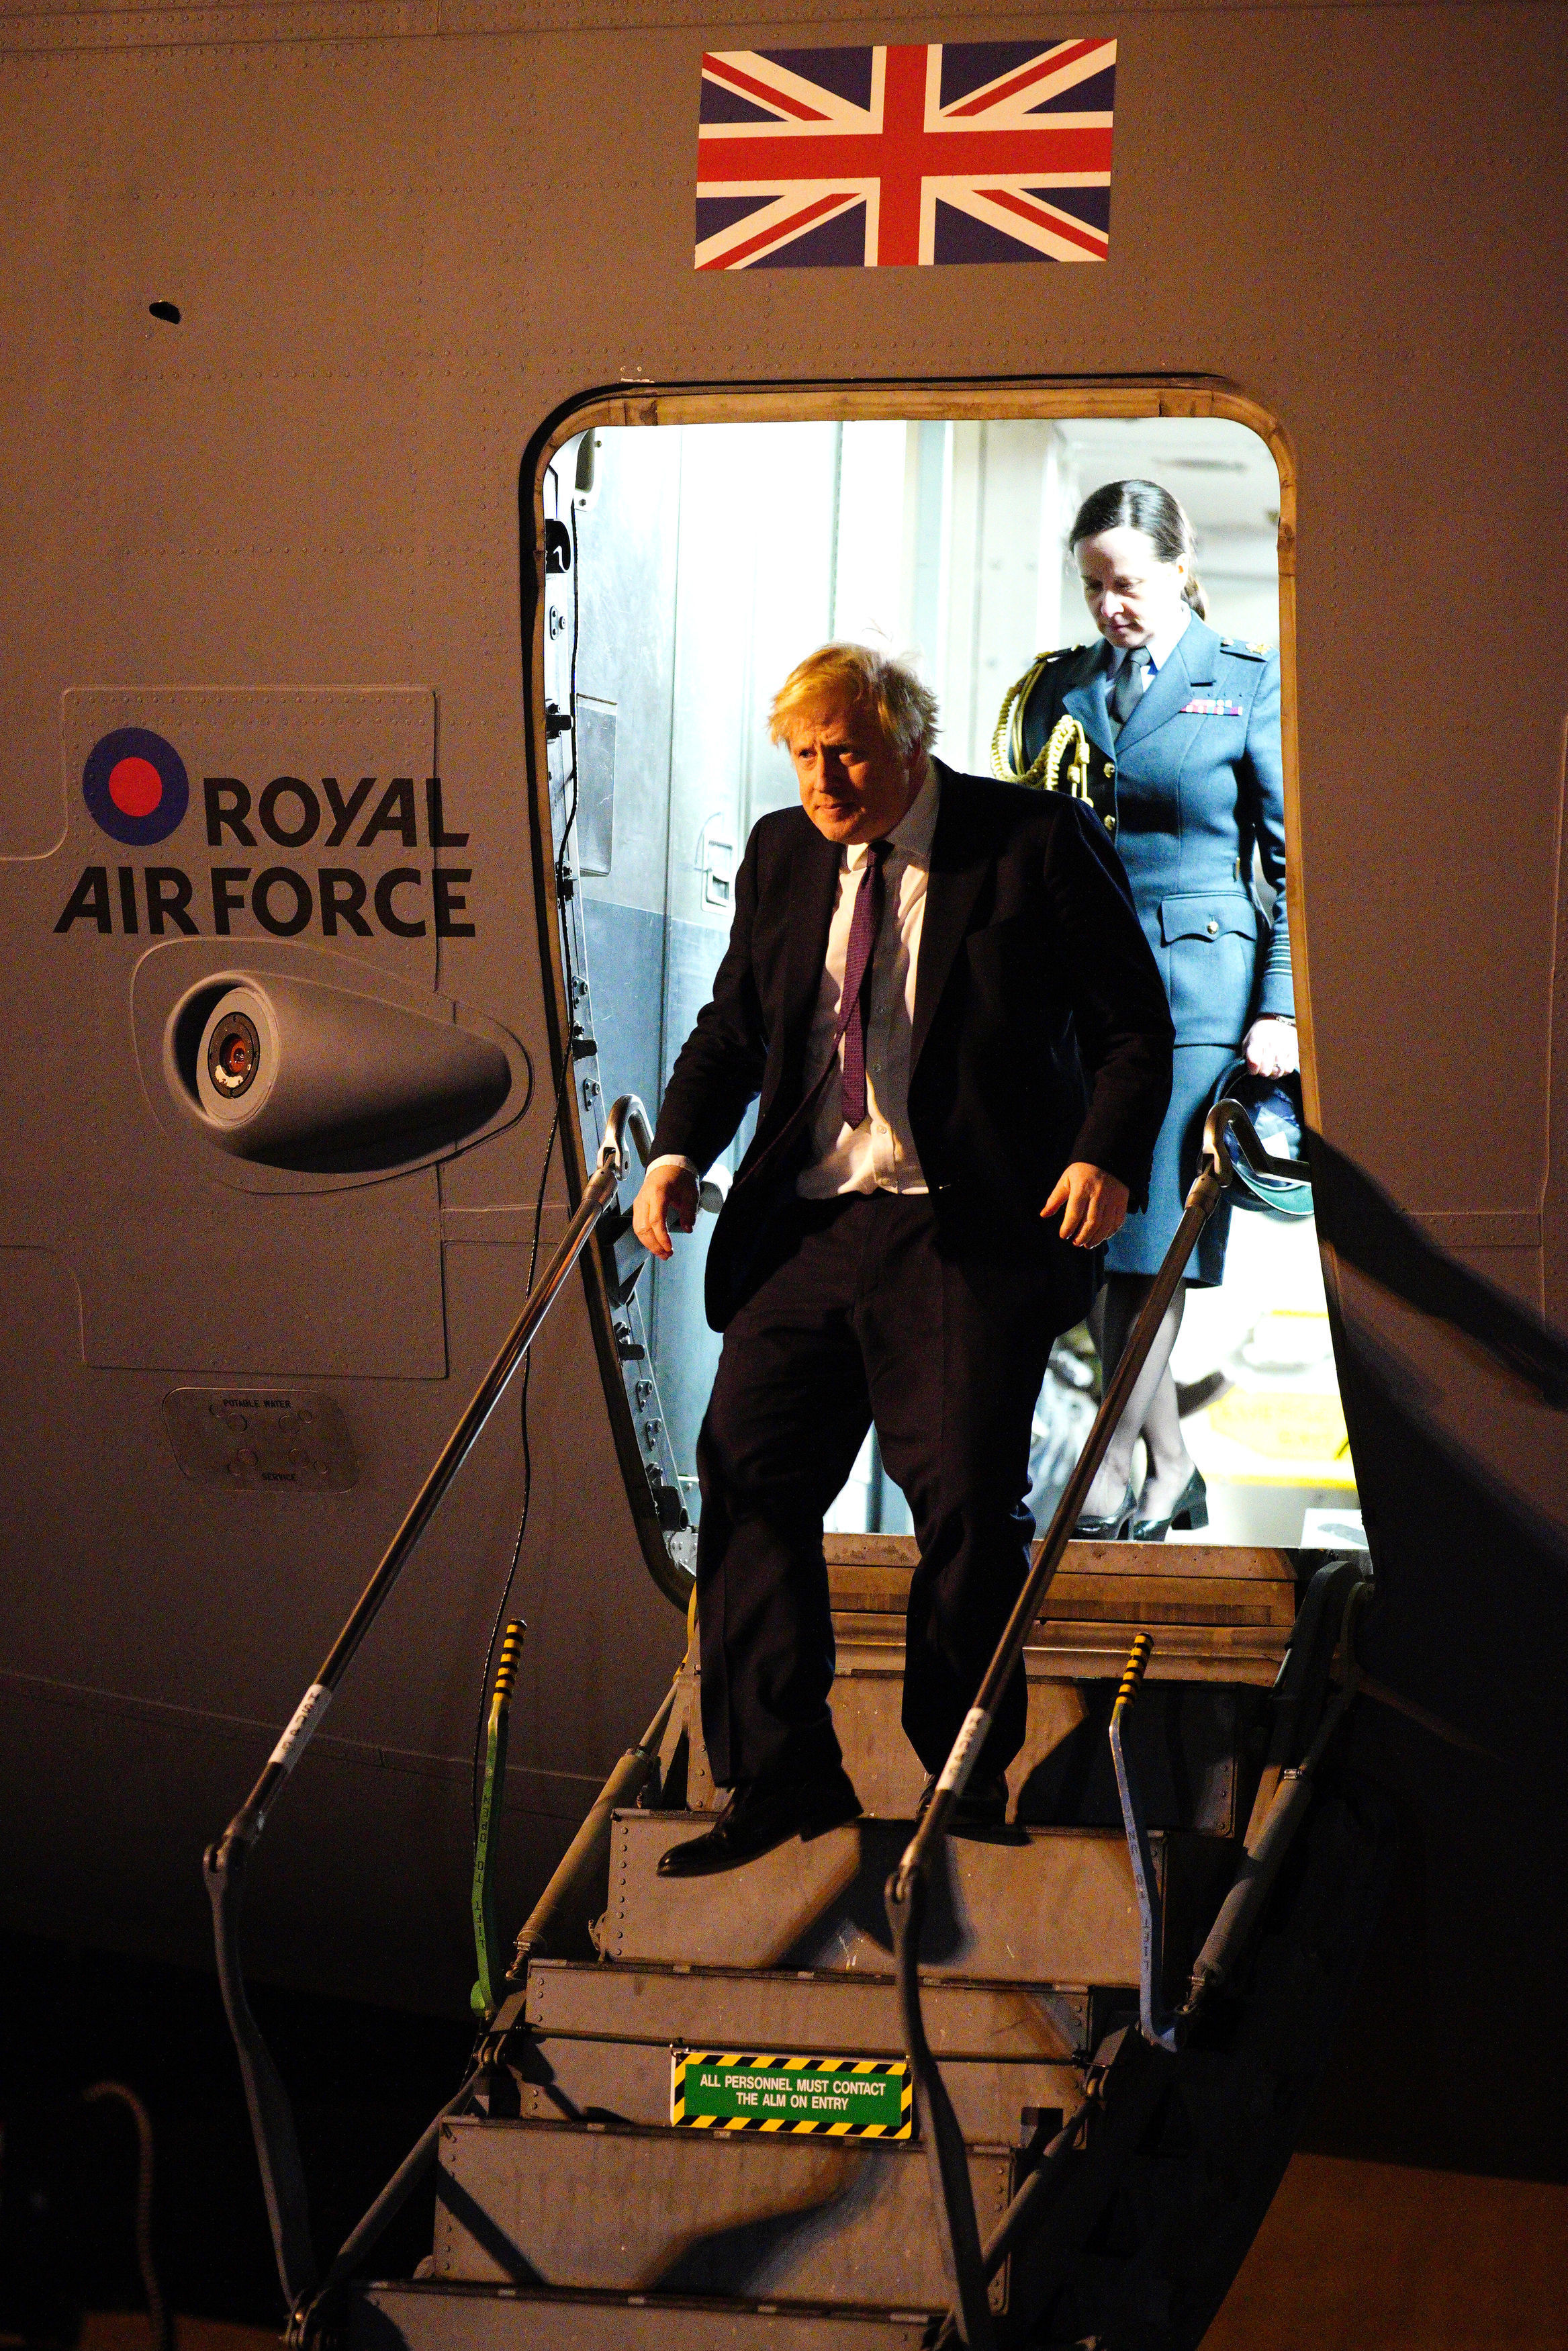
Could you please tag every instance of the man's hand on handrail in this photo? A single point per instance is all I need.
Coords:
(1093, 1204)
(668, 1197)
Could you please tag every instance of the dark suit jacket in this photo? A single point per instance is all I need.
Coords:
(1041, 1030)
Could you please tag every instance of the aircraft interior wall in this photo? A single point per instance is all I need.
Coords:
(710, 558)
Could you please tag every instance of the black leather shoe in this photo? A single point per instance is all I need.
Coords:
(983, 1805)
(1113, 1529)
(1191, 1511)
(761, 1813)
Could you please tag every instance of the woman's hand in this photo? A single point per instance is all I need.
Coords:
(1272, 1048)
(1093, 1204)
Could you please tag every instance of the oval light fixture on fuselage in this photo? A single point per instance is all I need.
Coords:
(296, 1074)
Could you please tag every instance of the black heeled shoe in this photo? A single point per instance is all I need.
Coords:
(1190, 1512)
(1112, 1530)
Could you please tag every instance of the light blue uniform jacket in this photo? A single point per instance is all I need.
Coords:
(1191, 785)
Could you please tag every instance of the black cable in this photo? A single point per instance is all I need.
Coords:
(158, 2313)
(476, 1778)
(476, 1774)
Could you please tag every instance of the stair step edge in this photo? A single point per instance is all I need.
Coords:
(668, 2134)
(695, 2321)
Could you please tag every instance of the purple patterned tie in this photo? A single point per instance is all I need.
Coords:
(863, 929)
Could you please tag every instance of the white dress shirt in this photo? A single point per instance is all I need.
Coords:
(878, 1156)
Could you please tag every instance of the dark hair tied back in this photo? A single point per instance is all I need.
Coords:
(1143, 505)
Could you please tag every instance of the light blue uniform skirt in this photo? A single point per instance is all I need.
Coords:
(1141, 1244)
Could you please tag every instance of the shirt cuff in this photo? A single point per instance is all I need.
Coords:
(673, 1159)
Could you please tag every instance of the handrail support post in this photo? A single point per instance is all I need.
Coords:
(1228, 1132)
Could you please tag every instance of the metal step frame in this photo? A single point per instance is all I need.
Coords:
(704, 2212)
(569, 2077)
(805, 2009)
(422, 2315)
(1031, 1974)
(1016, 1906)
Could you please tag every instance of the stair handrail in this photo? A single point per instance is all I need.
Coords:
(621, 1789)
(1227, 1132)
(223, 1864)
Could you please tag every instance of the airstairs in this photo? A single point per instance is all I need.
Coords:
(900, 2084)
(576, 2211)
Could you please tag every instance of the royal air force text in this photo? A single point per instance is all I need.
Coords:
(404, 902)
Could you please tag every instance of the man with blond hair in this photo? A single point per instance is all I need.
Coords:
(938, 989)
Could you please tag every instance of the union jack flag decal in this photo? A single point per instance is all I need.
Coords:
(872, 158)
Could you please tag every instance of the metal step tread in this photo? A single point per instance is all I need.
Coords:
(573, 2077)
(1243, 1655)
(758, 2215)
(760, 2008)
(1015, 1906)
(1188, 1740)
(599, 2042)
(1218, 1612)
(439, 2315)
(875, 1570)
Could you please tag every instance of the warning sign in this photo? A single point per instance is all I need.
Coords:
(839, 2098)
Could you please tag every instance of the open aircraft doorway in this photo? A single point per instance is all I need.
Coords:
(692, 555)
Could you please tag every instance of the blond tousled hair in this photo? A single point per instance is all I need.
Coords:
(904, 708)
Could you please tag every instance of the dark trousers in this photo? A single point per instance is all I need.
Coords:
(865, 1312)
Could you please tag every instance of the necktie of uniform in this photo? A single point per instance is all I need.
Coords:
(1128, 685)
(865, 924)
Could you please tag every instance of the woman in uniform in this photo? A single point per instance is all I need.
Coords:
(1171, 734)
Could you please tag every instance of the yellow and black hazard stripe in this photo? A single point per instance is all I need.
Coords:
(811, 2068)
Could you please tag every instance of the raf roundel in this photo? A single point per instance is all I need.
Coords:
(135, 786)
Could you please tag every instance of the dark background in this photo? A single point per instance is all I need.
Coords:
(365, 2083)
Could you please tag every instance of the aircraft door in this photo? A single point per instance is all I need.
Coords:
(711, 558)
(707, 566)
